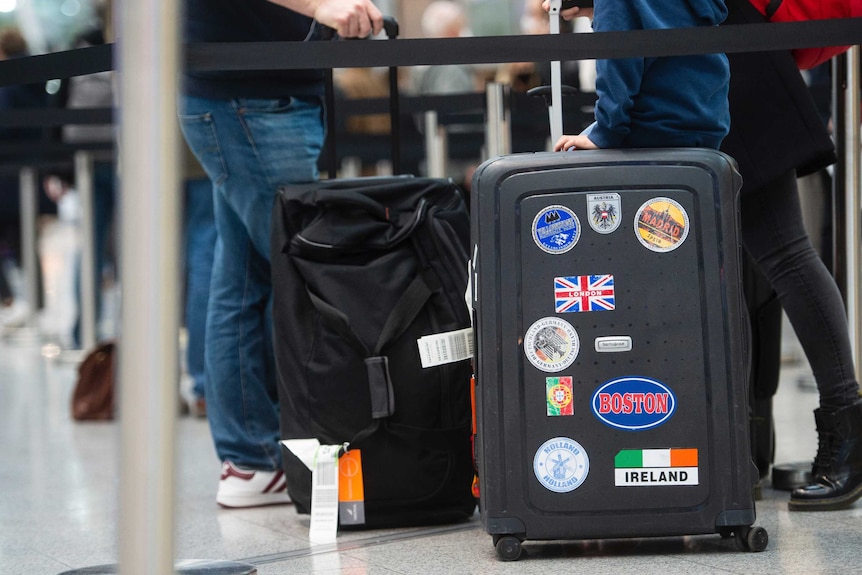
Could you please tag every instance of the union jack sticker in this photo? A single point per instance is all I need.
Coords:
(604, 212)
(584, 293)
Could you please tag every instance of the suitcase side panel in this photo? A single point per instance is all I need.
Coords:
(681, 309)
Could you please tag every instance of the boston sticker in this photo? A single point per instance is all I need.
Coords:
(551, 344)
(559, 396)
(653, 467)
(605, 213)
(556, 229)
(633, 403)
(561, 465)
(661, 225)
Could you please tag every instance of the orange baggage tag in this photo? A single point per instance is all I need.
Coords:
(351, 490)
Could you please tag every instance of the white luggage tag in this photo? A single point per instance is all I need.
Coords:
(322, 460)
(448, 347)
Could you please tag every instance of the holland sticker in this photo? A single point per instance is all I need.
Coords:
(661, 225)
(556, 229)
(551, 344)
(561, 465)
(605, 212)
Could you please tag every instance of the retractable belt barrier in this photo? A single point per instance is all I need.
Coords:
(440, 51)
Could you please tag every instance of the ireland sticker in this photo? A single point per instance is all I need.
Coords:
(661, 225)
(556, 229)
(551, 344)
(561, 465)
(604, 212)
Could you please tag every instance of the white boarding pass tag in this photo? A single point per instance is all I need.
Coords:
(448, 347)
(324, 495)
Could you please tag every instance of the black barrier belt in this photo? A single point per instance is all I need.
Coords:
(527, 48)
(487, 50)
(44, 117)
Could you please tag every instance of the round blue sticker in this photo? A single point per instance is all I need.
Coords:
(556, 229)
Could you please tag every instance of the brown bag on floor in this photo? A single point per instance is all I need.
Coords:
(93, 397)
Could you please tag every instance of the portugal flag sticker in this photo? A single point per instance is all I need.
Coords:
(661, 225)
(654, 467)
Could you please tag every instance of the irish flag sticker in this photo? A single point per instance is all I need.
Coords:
(653, 467)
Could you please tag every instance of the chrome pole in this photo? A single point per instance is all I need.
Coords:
(435, 146)
(89, 281)
(148, 43)
(29, 209)
(853, 187)
(497, 134)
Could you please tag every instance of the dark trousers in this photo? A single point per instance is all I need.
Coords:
(774, 235)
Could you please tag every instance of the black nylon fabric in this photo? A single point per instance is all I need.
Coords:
(359, 245)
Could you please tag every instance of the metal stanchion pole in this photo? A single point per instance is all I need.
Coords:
(435, 146)
(28, 190)
(89, 280)
(853, 187)
(497, 135)
(149, 149)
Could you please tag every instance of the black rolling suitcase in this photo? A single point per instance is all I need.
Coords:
(611, 348)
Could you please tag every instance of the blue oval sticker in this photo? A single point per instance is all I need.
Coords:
(633, 403)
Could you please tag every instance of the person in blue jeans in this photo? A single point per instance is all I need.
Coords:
(252, 132)
(200, 239)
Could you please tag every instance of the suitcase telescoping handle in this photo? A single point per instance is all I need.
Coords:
(553, 94)
(391, 29)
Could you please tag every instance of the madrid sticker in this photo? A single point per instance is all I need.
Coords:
(561, 465)
(605, 212)
(661, 225)
(559, 397)
(556, 229)
(551, 344)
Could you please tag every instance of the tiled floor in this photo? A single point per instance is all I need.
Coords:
(59, 504)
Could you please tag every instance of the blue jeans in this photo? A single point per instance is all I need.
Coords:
(248, 147)
(200, 239)
(774, 235)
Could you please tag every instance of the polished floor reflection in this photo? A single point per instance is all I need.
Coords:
(59, 493)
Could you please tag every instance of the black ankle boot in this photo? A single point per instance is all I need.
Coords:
(837, 469)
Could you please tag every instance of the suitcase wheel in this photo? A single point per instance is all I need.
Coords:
(508, 547)
(751, 539)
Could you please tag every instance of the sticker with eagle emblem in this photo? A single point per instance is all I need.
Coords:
(605, 212)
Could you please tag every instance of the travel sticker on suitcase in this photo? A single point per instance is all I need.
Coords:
(561, 464)
(556, 229)
(551, 344)
(661, 224)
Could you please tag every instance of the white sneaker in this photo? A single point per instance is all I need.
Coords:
(250, 488)
(14, 315)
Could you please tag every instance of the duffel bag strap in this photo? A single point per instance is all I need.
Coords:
(402, 315)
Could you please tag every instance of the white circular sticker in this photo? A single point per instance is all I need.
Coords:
(661, 225)
(551, 344)
(561, 464)
(556, 229)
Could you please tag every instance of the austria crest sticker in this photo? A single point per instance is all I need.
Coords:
(605, 212)
(556, 229)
